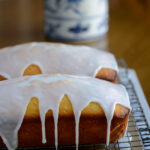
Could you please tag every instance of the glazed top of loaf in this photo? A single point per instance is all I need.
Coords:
(54, 58)
(15, 95)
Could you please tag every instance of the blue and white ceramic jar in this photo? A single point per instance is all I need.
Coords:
(75, 20)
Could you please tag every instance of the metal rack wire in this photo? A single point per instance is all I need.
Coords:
(138, 133)
(137, 136)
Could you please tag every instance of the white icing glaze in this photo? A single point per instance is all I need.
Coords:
(54, 58)
(50, 89)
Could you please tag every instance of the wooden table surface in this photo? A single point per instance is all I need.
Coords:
(128, 37)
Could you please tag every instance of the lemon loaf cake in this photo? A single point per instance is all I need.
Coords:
(48, 110)
(49, 58)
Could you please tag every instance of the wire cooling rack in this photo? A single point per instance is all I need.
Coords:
(137, 136)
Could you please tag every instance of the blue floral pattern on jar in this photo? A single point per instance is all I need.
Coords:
(75, 20)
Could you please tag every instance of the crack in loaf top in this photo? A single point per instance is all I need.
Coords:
(54, 58)
(49, 89)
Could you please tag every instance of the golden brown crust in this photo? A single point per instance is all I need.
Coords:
(32, 70)
(65, 109)
(107, 74)
(2, 78)
(104, 73)
(92, 128)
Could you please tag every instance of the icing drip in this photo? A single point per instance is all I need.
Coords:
(109, 118)
(50, 89)
(42, 115)
(108, 131)
(77, 118)
(55, 114)
(54, 58)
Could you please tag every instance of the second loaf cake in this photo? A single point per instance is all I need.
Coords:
(50, 58)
